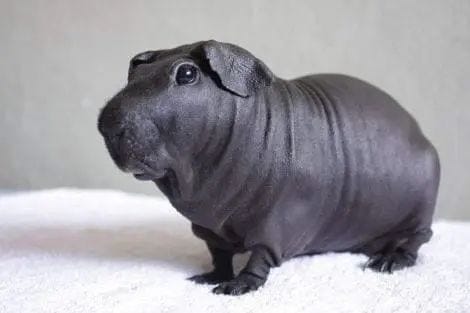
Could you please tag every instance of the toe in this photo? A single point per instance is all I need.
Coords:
(231, 288)
(210, 278)
(388, 263)
(235, 287)
(198, 279)
(222, 288)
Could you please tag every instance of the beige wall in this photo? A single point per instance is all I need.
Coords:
(60, 60)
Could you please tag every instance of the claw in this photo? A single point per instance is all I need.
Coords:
(372, 262)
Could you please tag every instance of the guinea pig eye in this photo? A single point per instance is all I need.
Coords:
(186, 74)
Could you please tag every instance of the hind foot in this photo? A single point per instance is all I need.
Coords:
(393, 252)
(388, 262)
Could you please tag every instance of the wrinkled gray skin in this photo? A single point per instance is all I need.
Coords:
(281, 168)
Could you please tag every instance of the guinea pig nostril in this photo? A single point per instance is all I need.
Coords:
(120, 133)
(114, 133)
(101, 126)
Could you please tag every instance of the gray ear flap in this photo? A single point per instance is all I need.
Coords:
(142, 58)
(238, 70)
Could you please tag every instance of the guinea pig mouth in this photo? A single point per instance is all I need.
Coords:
(149, 173)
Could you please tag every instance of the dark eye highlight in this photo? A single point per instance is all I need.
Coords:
(186, 74)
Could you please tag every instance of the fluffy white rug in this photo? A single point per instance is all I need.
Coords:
(105, 251)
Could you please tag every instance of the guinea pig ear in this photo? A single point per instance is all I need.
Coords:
(142, 58)
(238, 70)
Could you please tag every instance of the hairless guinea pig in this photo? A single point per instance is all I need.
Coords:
(280, 168)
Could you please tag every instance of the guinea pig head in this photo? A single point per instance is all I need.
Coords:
(176, 102)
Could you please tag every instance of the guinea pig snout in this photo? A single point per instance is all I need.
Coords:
(130, 137)
(125, 149)
(111, 121)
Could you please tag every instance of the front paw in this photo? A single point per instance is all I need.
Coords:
(242, 284)
(211, 278)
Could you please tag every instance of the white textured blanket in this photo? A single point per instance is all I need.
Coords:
(105, 251)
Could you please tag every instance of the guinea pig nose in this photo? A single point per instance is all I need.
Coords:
(104, 123)
(111, 132)
(109, 126)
